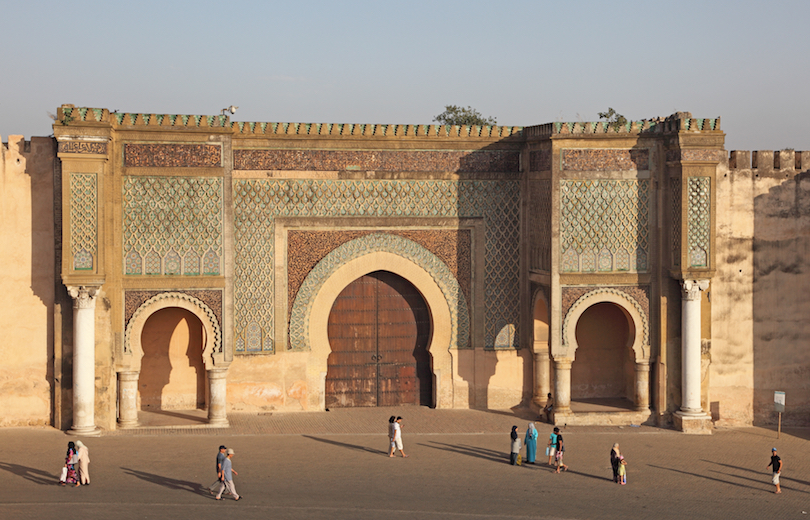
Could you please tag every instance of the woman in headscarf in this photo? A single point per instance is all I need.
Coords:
(531, 443)
(615, 461)
(83, 456)
(69, 473)
(515, 446)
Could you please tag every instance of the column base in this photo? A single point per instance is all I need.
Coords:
(219, 423)
(124, 425)
(92, 431)
(700, 424)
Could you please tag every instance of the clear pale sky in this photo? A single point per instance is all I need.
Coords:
(523, 62)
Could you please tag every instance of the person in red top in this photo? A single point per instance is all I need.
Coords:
(776, 462)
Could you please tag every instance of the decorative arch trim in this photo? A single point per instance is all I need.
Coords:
(213, 351)
(633, 310)
(442, 278)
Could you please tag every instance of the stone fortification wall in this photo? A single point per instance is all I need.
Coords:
(27, 281)
(760, 330)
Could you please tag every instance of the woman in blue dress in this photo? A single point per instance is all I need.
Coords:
(531, 443)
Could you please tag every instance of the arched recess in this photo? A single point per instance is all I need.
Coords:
(540, 347)
(213, 351)
(633, 311)
(382, 252)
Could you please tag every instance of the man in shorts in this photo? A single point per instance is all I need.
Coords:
(776, 462)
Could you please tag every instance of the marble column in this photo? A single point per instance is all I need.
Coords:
(217, 388)
(642, 385)
(690, 346)
(562, 386)
(84, 359)
(128, 399)
(542, 377)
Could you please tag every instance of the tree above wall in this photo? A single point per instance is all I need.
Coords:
(454, 115)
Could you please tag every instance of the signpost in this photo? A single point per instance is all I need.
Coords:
(779, 407)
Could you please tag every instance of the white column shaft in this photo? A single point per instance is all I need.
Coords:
(128, 399)
(562, 385)
(84, 359)
(541, 376)
(217, 397)
(690, 347)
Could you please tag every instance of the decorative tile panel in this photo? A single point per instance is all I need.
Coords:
(173, 155)
(596, 159)
(699, 225)
(83, 220)
(378, 160)
(134, 299)
(172, 223)
(639, 296)
(540, 224)
(459, 315)
(539, 160)
(257, 202)
(608, 218)
(85, 147)
(696, 155)
(675, 207)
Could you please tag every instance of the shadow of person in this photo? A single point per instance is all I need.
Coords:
(707, 478)
(470, 451)
(171, 483)
(37, 476)
(346, 445)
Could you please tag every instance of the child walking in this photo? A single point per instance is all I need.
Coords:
(622, 470)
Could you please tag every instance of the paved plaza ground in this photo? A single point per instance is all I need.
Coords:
(334, 465)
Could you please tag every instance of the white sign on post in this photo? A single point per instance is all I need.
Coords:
(779, 402)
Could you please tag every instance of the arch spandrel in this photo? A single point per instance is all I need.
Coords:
(631, 308)
(213, 348)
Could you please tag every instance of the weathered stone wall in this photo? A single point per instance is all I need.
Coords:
(760, 330)
(27, 283)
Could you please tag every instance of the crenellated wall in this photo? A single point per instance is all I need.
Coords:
(759, 296)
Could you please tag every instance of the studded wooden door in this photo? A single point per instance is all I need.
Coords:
(379, 329)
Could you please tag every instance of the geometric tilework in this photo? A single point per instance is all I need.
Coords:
(257, 202)
(173, 155)
(699, 203)
(438, 270)
(172, 225)
(540, 224)
(604, 225)
(83, 220)
(675, 206)
(605, 159)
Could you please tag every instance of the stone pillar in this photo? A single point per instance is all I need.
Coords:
(128, 399)
(643, 385)
(541, 375)
(691, 418)
(562, 386)
(216, 397)
(84, 359)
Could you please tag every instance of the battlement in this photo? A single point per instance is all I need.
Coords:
(768, 160)
(68, 114)
(375, 130)
(675, 123)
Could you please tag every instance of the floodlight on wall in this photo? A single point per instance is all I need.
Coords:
(231, 109)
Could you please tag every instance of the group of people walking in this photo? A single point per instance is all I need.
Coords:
(225, 473)
(76, 471)
(555, 448)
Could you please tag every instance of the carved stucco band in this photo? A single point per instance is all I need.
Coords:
(379, 242)
(213, 352)
(634, 309)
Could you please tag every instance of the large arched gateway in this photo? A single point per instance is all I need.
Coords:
(379, 330)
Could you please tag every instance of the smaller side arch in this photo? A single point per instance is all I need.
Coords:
(213, 352)
(632, 310)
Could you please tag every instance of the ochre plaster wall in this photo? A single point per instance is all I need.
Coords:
(27, 284)
(759, 296)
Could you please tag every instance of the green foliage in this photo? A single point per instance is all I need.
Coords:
(613, 118)
(461, 116)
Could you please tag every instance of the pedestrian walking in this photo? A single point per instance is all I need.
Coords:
(548, 408)
(776, 464)
(83, 457)
(227, 477)
(531, 443)
(615, 461)
(392, 446)
(559, 452)
(398, 436)
(513, 456)
(551, 450)
(221, 456)
(69, 469)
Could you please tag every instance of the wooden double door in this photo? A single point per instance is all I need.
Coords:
(379, 330)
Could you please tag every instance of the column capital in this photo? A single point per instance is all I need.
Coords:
(691, 289)
(563, 363)
(84, 296)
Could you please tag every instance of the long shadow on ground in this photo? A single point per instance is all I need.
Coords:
(37, 476)
(171, 483)
(347, 445)
(705, 477)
